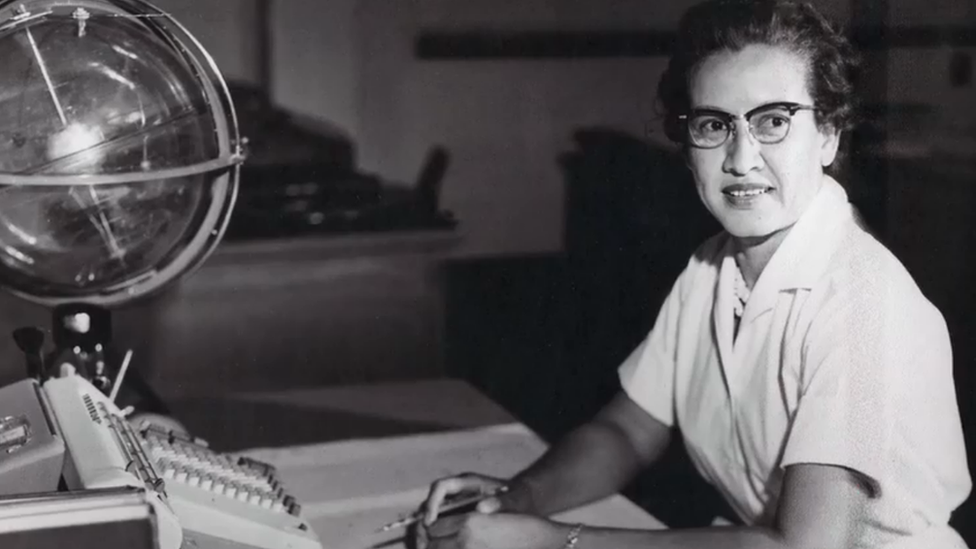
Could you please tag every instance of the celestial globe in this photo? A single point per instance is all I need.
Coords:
(119, 151)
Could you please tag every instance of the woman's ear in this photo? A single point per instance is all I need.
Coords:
(830, 141)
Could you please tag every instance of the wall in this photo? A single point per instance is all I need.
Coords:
(505, 123)
(922, 75)
(351, 63)
(930, 185)
(316, 61)
(229, 35)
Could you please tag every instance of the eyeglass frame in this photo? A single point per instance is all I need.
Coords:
(790, 107)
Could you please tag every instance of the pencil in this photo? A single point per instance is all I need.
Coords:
(447, 507)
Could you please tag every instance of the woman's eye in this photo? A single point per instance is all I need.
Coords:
(711, 125)
(772, 121)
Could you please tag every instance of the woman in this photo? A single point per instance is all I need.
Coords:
(809, 377)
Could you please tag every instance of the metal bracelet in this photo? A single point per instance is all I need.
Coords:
(572, 538)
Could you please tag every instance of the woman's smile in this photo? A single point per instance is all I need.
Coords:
(745, 195)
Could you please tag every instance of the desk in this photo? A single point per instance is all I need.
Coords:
(409, 434)
(349, 488)
(235, 420)
(277, 314)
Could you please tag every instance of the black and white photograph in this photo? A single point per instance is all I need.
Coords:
(488, 274)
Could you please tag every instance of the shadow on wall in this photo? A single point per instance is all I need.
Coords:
(543, 336)
(633, 219)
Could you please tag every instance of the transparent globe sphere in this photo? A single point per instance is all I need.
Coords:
(119, 151)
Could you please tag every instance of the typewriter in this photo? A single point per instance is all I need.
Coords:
(66, 437)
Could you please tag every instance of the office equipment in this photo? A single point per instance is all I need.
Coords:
(226, 497)
(104, 450)
(88, 519)
(68, 432)
(31, 453)
(301, 179)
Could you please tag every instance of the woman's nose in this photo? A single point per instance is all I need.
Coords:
(743, 153)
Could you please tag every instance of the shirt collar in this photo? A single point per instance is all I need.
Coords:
(803, 256)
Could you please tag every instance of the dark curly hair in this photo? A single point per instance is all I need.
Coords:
(731, 25)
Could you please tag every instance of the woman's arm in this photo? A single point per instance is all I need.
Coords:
(595, 460)
(821, 507)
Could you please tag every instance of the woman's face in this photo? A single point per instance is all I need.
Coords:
(756, 190)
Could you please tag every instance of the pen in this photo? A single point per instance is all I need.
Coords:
(447, 507)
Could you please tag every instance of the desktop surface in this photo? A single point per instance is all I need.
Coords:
(350, 488)
(236, 420)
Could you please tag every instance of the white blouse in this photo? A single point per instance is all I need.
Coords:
(839, 360)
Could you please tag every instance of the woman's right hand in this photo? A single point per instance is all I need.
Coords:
(508, 500)
(469, 483)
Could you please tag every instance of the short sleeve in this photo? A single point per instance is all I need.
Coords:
(647, 375)
(846, 409)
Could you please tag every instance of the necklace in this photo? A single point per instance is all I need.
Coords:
(742, 292)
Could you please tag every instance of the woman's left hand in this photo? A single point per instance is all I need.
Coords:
(495, 531)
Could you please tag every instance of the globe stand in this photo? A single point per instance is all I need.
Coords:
(82, 333)
(120, 161)
(82, 343)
